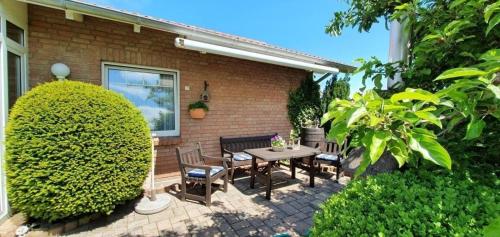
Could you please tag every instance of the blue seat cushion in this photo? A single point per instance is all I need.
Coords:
(241, 156)
(327, 157)
(200, 173)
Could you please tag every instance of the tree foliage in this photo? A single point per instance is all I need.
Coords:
(453, 56)
(304, 103)
(335, 88)
(442, 35)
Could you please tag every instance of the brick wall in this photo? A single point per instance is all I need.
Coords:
(247, 98)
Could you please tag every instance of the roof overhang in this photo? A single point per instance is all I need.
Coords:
(258, 57)
(74, 8)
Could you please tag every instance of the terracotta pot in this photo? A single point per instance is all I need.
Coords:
(197, 113)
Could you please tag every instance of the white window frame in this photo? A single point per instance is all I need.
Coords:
(139, 68)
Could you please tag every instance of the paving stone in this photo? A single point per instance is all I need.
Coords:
(239, 212)
(137, 223)
(249, 231)
(240, 225)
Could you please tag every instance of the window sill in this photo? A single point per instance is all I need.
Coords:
(168, 141)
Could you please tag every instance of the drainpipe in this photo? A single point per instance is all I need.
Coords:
(398, 50)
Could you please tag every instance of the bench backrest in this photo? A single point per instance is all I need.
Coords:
(239, 144)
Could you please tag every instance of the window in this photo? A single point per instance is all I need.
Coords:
(14, 77)
(154, 91)
(15, 33)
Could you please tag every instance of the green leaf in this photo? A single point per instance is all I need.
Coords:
(494, 22)
(327, 117)
(474, 128)
(493, 228)
(356, 114)
(374, 120)
(495, 90)
(388, 108)
(338, 132)
(375, 143)
(431, 37)
(460, 72)
(365, 162)
(425, 132)
(418, 94)
(430, 117)
(491, 55)
(398, 149)
(453, 122)
(490, 9)
(430, 149)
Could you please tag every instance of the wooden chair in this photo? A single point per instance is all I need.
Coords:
(194, 167)
(332, 154)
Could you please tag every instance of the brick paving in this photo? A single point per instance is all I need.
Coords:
(239, 212)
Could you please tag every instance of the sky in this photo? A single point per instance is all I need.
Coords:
(294, 24)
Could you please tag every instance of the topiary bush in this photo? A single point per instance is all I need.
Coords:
(410, 204)
(74, 148)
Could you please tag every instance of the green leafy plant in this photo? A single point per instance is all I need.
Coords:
(198, 105)
(398, 125)
(404, 124)
(413, 203)
(304, 103)
(73, 149)
(447, 41)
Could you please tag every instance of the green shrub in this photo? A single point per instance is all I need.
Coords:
(73, 149)
(198, 105)
(304, 103)
(410, 204)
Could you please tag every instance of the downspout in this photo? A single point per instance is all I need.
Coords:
(398, 50)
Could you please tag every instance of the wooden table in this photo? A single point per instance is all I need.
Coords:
(270, 156)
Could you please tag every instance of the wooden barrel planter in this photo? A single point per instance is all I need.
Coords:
(312, 137)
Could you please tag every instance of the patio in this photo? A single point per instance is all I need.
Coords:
(239, 212)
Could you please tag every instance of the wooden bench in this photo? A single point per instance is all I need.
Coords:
(233, 147)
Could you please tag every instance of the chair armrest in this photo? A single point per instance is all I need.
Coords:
(224, 160)
(203, 167)
(216, 158)
(228, 152)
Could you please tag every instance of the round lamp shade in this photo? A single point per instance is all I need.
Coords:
(60, 70)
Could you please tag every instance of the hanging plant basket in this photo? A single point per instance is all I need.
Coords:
(197, 113)
(198, 109)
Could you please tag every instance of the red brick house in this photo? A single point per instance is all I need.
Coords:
(248, 80)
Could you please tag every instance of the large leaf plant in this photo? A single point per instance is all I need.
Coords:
(405, 124)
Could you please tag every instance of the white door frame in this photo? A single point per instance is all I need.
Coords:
(15, 13)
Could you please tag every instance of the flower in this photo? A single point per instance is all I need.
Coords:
(277, 141)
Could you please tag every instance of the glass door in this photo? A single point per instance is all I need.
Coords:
(13, 74)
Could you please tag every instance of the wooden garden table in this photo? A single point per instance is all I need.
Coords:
(270, 156)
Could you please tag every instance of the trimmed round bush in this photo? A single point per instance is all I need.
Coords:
(409, 204)
(74, 148)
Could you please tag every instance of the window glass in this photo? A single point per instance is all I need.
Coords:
(15, 33)
(153, 92)
(14, 77)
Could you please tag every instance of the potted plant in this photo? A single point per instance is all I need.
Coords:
(198, 109)
(278, 143)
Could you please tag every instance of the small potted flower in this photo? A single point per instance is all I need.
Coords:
(198, 109)
(278, 143)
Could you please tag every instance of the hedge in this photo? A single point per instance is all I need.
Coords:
(410, 204)
(73, 149)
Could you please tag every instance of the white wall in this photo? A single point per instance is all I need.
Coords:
(16, 13)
